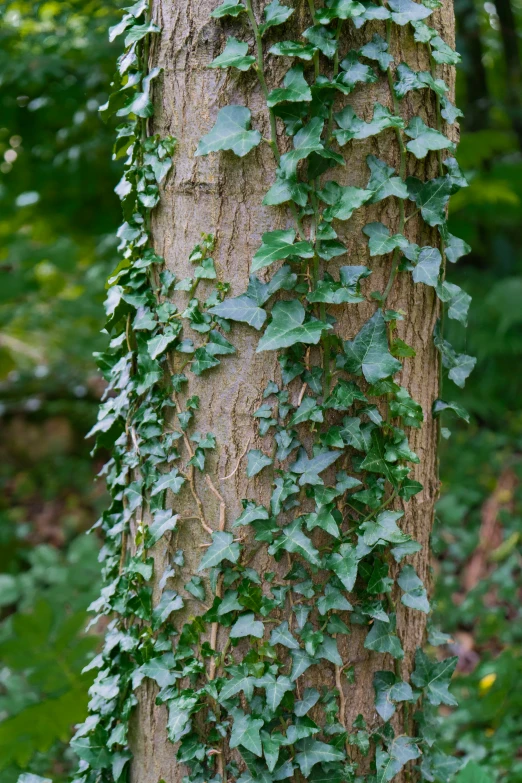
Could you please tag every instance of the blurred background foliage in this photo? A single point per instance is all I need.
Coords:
(58, 214)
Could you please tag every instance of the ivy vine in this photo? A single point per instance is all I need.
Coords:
(259, 723)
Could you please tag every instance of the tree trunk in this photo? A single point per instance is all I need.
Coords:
(222, 194)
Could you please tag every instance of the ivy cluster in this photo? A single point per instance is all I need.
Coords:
(336, 411)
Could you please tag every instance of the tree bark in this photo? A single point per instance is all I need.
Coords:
(222, 194)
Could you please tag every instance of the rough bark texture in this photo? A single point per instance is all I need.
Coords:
(222, 194)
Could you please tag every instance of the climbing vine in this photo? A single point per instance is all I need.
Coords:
(338, 421)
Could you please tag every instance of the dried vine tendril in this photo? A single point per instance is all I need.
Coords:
(254, 705)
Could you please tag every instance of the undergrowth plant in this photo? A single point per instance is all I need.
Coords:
(239, 712)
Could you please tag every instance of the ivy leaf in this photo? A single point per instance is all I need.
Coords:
(164, 521)
(309, 468)
(432, 198)
(460, 365)
(159, 344)
(235, 55)
(399, 752)
(180, 709)
(384, 528)
(281, 635)
(169, 602)
(293, 540)
(440, 405)
(434, 678)
(425, 139)
(404, 406)
(256, 462)
(247, 625)
(428, 261)
(404, 11)
(344, 564)
(389, 689)
(323, 39)
(245, 732)
(295, 88)
(405, 549)
(368, 351)
(346, 290)
(382, 183)
(339, 9)
(301, 661)
(275, 689)
(348, 200)
(312, 752)
(382, 638)
(371, 12)
(454, 247)
(310, 698)
(352, 127)
(275, 14)
(353, 72)
(287, 327)
(278, 245)
(377, 49)
(231, 132)
(415, 595)
(239, 681)
(173, 481)
(240, 308)
(458, 301)
(221, 548)
(228, 8)
(293, 49)
(202, 361)
(380, 240)
(417, 80)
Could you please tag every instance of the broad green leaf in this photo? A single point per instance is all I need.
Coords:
(256, 462)
(381, 242)
(344, 564)
(368, 352)
(295, 88)
(404, 550)
(310, 698)
(275, 689)
(230, 132)
(460, 365)
(415, 595)
(390, 762)
(352, 127)
(169, 602)
(323, 39)
(425, 139)
(389, 689)
(203, 360)
(282, 635)
(278, 245)
(293, 540)
(240, 308)
(347, 290)
(339, 9)
(439, 406)
(416, 80)
(348, 200)
(240, 680)
(247, 625)
(235, 55)
(404, 11)
(458, 301)
(312, 752)
(384, 528)
(377, 49)
(301, 661)
(159, 344)
(427, 262)
(434, 677)
(180, 711)
(221, 548)
(309, 468)
(164, 521)
(287, 327)
(432, 198)
(228, 8)
(172, 480)
(382, 638)
(382, 183)
(293, 49)
(275, 14)
(353, 72)
(245, 732)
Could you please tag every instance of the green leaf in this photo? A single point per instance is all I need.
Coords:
(295, 88)
(382, 183)
(353, 72)
(425, 139)
(231, 132)
(432, 198)
(404, 11)
(293, 540)
(384, 528)
(202, 361)
(352, 127)
(434, 678)
(323, 39)
(293, 49)
(235, 55)
(240, 681)
(309, 468)
(460, 365)
(405, 549)
(382, 638)
(310, 698)
(404, 406)
(381, 242)
(368, 351)
(347, 201)
(240, 308)
(288, 327)
(416, 80)
(256, 462)
(169, 602)
(339, 9)
(344, 564)
(247, 625)
(389, 689)
(347, 290)
(281, 635)
(278, 245)
(180, 711)
(312, 752)
(399, 752)
(458, 301)
(228, 8)
(439, 406)
(428, 262)
(221, 548)
(415, 595)
(275, 14)
(172, 480)
(377, 49)
(245, 732)
(275, 689)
